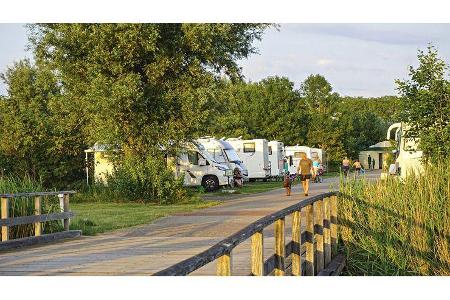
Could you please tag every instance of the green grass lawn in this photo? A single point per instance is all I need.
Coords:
(98, 217)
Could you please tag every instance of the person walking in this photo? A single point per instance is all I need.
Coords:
(369, 160)
(287, 183)
(346, 166)
(357, 166)
(304, 170)
(315, 168)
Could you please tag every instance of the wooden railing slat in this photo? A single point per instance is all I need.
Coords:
(326, 232)
(318, 235)
(36, 218)
(309, 241)
(279, 247)
(224, 265)
(296, 244)
(5, 212)
(333, 225)
(257, 254)
(37, 212)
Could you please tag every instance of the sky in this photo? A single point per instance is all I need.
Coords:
(357, 59)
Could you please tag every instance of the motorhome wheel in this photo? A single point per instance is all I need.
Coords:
(210, 183)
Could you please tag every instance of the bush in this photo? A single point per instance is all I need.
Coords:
(398, 228)
(147, 180)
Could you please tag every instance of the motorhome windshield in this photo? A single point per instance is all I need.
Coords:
(232, 155)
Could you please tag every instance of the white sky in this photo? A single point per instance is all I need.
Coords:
(357, 59)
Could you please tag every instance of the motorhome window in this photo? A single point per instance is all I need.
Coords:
(232, 155)
(249, 147)
(298, 154)
(270, 150)
(193, 157)
(291, 162)
(217, 155)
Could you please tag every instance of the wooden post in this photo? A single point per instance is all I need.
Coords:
(296, 244)
(37, 212)
(326, 232)
(309, 241)
(318, 235)
(5, 213)
(66, 209)
(333, 226)
(257, 254)
(279, 247)
(224, 265)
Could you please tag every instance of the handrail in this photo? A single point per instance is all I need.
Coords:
(35, 194)
(38, 218)
(224, 247)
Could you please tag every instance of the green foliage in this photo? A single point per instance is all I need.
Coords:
(426, 104)
(147, 180)
(398, 228)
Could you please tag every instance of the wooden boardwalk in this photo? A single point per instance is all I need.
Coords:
(143, 250)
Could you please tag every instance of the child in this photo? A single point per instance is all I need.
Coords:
(287, 184)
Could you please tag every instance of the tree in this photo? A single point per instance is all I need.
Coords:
(426, 104)
(141, 85)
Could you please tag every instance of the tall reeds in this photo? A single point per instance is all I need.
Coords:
(24, 206)
(395, 227)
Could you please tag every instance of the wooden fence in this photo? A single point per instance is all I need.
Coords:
(37, 219)
(320, 241)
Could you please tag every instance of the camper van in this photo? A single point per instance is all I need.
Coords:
(194, 162)
(255, 156)
(408, 155)
(276, 158)
(293, 155)
(224, 153)
(317, 153)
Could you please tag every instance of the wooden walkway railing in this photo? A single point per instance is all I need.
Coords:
(320, 240)
(37, 219)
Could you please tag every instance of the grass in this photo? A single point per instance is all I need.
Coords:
(395, 227)
(99, 217)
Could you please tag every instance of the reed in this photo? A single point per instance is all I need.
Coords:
(395, 227)
(23, 206)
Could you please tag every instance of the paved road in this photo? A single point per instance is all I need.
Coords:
(146, 249)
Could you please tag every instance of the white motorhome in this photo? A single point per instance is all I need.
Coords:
(293, 156)
(276, 158)
(255, 155)
(408, 155)
(224, 153)
(194, 162)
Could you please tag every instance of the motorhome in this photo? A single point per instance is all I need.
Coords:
(408, 156)
(293, 156)
(224, 153)
(193, 162)
(276, 158)
(255, 155)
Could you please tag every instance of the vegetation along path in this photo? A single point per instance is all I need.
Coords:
(143, 250)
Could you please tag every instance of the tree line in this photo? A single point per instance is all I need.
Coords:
(140, 86)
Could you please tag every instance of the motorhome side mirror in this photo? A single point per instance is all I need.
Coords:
(202, 162)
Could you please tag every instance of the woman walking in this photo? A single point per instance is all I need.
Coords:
(304, 170)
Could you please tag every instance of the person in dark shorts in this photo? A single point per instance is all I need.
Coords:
(345, 166)
(304, 170)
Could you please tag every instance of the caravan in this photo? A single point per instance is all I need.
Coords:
(276, 158)
(224, 153)
(407, 153)
(255, 155)
(293, 156)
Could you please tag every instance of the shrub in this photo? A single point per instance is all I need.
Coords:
(398, 228)
(147, 180)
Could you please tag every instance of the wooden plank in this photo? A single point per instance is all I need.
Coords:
(309, 241)
(33, 240)
(36, 218)
(318, 235)
(66, 209)
(269, 264)
(326, 232)
(296, 242)
(335, 267)
(37, 212)
(34, 194)
(5, 212)
(224, 265)
(279, 247)
(257, 254)
(333, 225)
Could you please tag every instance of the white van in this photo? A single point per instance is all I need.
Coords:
(224, 153)
(407, 153)
(200, 168)
(276, 158)
(255, 155)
